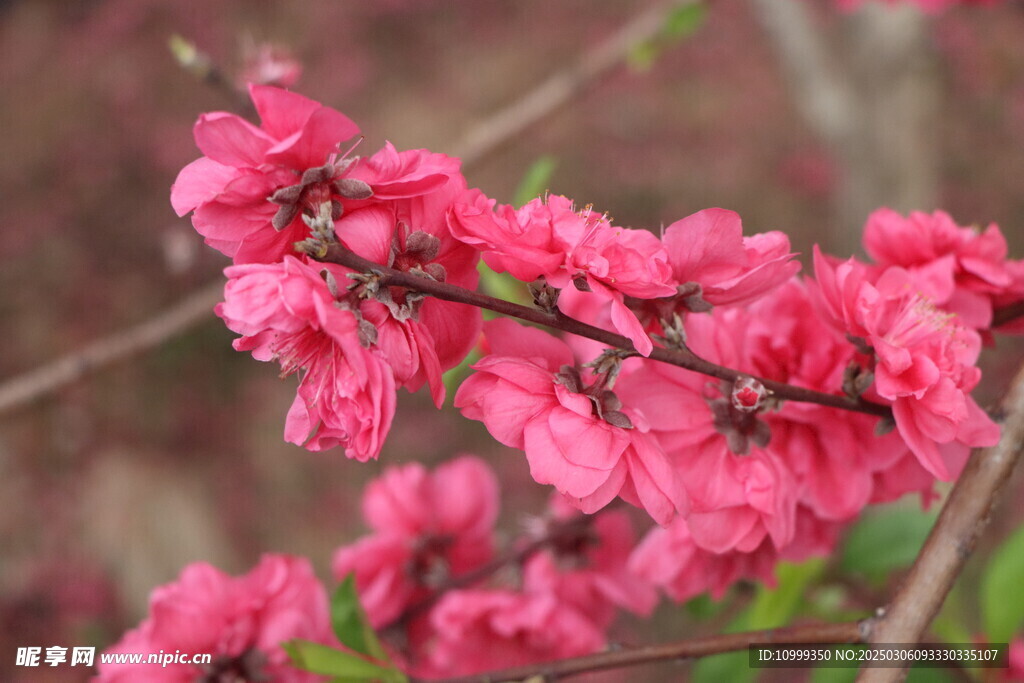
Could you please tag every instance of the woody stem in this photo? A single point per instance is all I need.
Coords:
(684, 358)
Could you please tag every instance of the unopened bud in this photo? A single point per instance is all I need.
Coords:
(748, 395)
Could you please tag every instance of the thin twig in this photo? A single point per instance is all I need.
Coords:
(963, 517)
(684, 358)
(193, 309)
(561, 532)
(473, 148)
(844, 632)
(560, 88)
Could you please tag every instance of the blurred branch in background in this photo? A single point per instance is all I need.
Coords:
(874, 102)
(482, 140)
(964, 516)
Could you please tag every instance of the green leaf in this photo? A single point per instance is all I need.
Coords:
(535, 180)
(1002, 610)
(500, 286)
(684, 21)
(827, 674)
(680, 24)
(641, 57)
(344, 666)
(778, 606)
(350, 623)
(734, 666)
(886, 539)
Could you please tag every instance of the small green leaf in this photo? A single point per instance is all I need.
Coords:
(535, 180)
(733, 666)
(826, 674)
(344, 666)
(684, 21)
(350, 623)
(888, 538)
(1002, 610)
(641, 56)
(778, 606)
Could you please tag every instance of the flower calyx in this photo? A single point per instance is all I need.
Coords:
(319, 185)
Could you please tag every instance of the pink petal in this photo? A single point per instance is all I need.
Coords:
(231, 140)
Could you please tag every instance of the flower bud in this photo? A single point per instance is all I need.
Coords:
(748, 395)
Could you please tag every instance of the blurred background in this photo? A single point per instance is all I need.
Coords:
(111, 484)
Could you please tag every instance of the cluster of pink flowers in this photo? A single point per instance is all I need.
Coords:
(416, 573)
(259, 190)
(240, 621)
(735, 478)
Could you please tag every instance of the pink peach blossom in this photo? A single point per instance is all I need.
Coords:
(708, 249)
(427, 527)
(480, 630)
(670, 559)
(592, 576)
(924, 360)
(551, 239)
(241, 621)
(960, 269)
(238, 189)
(286, 312)
(587, 445)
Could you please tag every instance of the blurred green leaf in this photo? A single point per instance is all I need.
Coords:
(703, 606)
(680, 24)
(453, 378)
(1002, 609)
(733, 666)
(886, 539)
(919, 674)
(642, 56)
(343, 666)
(951, 625)
(535, 180)
(778, 606)
(684, 21)
(350, 623)
(834, 675)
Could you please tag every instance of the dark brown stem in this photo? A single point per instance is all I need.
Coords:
(963, 517)
(845, 632)
(1007, 313)
(389, 277)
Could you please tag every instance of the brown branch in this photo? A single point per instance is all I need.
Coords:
(844, 632)
(1007, 313)
(389, 277)
(482, 140)
(963, 517)
(561, 532)
(560, 88)
(187, 313)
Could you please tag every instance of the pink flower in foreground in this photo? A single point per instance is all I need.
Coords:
(427, 528)
(480, 630)
(551, 239)
(960, 269)
(714, 262)
(924, 360)
(420, 337)
(578, 438)
(670, 559)
(241, 621)
(591, 574)
(252, 186)
(286, 312)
